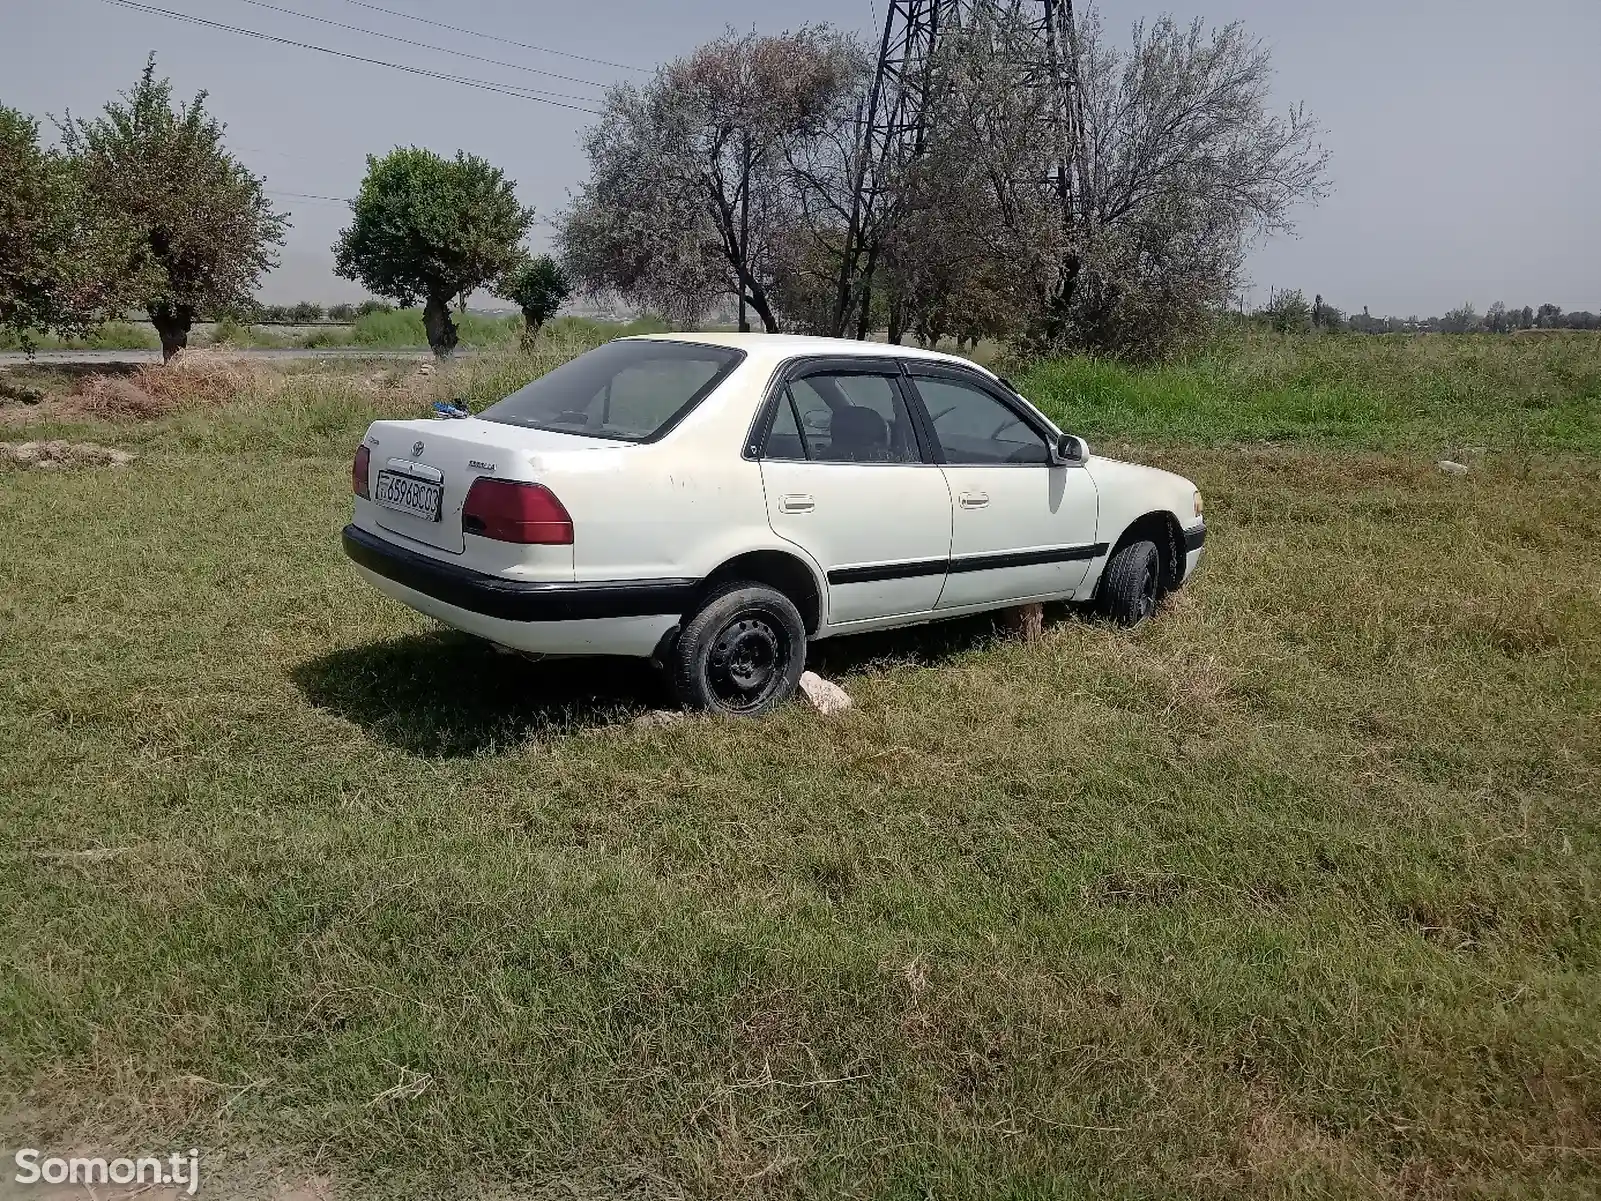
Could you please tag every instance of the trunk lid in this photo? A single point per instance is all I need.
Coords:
(452, 454)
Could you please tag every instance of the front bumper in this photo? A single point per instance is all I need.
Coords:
(1194, 540)
(515, 600)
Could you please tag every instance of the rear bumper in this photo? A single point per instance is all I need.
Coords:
(496, 597)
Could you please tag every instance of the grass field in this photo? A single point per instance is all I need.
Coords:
(1291, 893)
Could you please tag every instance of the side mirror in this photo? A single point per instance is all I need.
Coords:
(1072, 450)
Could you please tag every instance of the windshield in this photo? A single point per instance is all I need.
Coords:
(633, 390)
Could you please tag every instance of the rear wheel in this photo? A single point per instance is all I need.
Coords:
(1132, 584)
(742, 653)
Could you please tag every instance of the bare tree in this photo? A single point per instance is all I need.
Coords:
(689, 189)
(1179, 167)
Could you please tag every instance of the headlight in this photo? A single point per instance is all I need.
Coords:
(1197, 504)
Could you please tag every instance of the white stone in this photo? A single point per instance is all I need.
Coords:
(659, 719)
(824, 696)
(1451, 468)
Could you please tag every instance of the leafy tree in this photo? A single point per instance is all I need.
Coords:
(689, 193)
(1463, 320)
(1287, 311)
(368, 307)
(1526, 318)
(342, 312)
(1549, 316)
(537, 286)
(431, 228)
(1497, 320)
(207, 232)
(306, 311)
(1128, 242)
(63, 262)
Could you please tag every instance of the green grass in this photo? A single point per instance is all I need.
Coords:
(1293, 892)
(113, 335)
(1503, 392)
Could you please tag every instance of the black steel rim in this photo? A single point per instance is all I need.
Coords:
(747, 662)
(1148, 588)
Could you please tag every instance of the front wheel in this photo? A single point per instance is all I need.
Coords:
(1131, 584)
(742, 653)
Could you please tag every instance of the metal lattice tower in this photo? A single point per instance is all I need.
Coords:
(898, 106)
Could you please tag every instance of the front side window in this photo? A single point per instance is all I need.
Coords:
(843, 418)
(974, 427)
(631, 389)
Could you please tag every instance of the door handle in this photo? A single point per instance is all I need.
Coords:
(796, 502)
(973, 500)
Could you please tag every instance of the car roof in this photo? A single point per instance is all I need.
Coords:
(787, 346)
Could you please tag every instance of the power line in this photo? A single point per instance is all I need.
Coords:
(305, 195)
(600, 62)
(494, 62)
(483, 85)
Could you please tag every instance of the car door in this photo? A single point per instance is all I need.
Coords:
(847, 477)
(1021, 525)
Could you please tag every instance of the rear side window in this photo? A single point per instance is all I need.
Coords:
(631, 390)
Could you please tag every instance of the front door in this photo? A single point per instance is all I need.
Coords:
(1021, 527)
(845, 478)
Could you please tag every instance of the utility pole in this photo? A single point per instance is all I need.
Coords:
(894, 127)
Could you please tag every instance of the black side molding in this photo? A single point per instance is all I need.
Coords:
(515, 600)
(872, 572)
(1194, 539)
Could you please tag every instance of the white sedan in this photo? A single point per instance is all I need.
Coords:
(715, 501)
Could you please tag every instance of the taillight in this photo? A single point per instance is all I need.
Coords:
(511, 512)
(358, 472)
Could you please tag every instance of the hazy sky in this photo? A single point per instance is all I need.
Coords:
(1466, 134)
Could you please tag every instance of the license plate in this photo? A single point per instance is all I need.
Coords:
(407, 494)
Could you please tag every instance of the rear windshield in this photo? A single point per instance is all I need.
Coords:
(630, 390)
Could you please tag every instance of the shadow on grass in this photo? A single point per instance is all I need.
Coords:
(448, 694)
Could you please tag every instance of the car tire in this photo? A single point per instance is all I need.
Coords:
(1131, 585)
(741, 653)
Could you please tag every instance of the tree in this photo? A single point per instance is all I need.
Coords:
(1463, 320)
(1180, 168)
(1549, 316)
(1496, 319)
(688, 196)
(342, 312)
(64, 263)
(206, 231)
(1287, 311)
(538, 286)
(306, 311)
(430, 228)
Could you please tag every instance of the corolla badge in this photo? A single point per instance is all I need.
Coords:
(416, 449)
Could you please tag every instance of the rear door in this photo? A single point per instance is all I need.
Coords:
(847, 478)
(1021, 526)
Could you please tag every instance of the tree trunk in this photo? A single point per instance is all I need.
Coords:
(758, 301)
(897, 320)
(864, 319)
(172, 322)
(441, 329)
(531, 324)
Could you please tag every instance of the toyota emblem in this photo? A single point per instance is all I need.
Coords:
(416, 448)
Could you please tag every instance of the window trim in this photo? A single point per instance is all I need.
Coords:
(792, 370)
(736, 357)
(914, 369)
